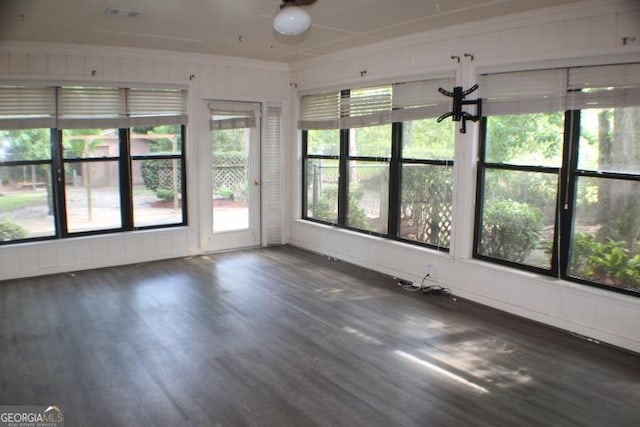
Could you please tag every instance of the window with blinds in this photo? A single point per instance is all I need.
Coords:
(23, 107)
(27, 107)
(230, 118)
(373, 106)
(376, 161)
(559, 173)
(91, 160)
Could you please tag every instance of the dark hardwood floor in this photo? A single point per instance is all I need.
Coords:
(283, 337)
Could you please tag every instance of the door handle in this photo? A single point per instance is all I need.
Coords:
(257, 182)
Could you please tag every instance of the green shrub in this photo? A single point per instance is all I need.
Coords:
(609, 262)
(164, 194)
(510, 229)
(225, 193)
(11, 230)
(149, 171)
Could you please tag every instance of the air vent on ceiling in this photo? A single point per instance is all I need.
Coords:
(114, 11)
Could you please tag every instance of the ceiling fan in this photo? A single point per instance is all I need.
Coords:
(292, 20)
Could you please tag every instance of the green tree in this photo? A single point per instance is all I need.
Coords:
(534, 139)
(27, 144)
(428, 139)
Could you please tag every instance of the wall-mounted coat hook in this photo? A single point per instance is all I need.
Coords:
(363, 73)
(192, 77)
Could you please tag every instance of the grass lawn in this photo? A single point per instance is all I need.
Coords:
(10, 202)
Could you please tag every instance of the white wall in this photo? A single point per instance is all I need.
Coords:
(205, 77)
(582, 34)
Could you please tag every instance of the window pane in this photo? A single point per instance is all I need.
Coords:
(322, 189)
(518, 217)
(26, 202)
(230, 169)
(323, 142)
(373, 141)
(527, 139)
(368, 197)
(90, 143)
(158, 140)
(610, 140)
(92, 196)
(25, 144)
(605, 246)
(157, 192)
(428, 139)
(426, 204)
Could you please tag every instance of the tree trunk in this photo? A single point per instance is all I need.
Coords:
(604, 163)
(624, 197)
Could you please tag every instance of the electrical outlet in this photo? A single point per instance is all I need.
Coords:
(432, 271)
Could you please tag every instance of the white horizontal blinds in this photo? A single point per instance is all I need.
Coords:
(271, 168)
(153, 107)
(524, 92)
(27, 107)
(366, 107)
(91, 107)
(421, 99)
(231, 116)
(320, 111)
(604, 86)
(377, 105)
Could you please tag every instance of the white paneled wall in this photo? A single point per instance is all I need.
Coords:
(581, 34)
(205, 77)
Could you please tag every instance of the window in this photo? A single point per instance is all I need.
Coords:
(322, 173)
(101, 160)
(426, 177)
(376, 161)
(157, 175)
(91, 159)
(559, 174)
(26, 191)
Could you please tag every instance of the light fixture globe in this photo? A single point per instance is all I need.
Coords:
(291, 21)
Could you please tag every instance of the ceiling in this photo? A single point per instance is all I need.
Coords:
(240, 27)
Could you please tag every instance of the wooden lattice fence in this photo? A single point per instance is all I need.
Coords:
(230, 174)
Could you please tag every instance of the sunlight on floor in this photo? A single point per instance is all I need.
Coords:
(470, 355)
(441, 371)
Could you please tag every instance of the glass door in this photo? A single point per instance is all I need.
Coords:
(235, 175)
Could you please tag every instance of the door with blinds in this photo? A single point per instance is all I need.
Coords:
(235, 175)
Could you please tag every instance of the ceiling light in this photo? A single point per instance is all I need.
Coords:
(115, 11)
(291, 20)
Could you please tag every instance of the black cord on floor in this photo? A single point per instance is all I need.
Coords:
(435, 288)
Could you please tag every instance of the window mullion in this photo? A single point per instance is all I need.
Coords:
(126, 188)
(395, 180)
(480, 186)
(305, 153)
(58, 204)
(343, 165)
(343, 181)
(183, 170)
(566, 202)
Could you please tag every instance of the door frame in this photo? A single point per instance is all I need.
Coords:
(235, 239)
